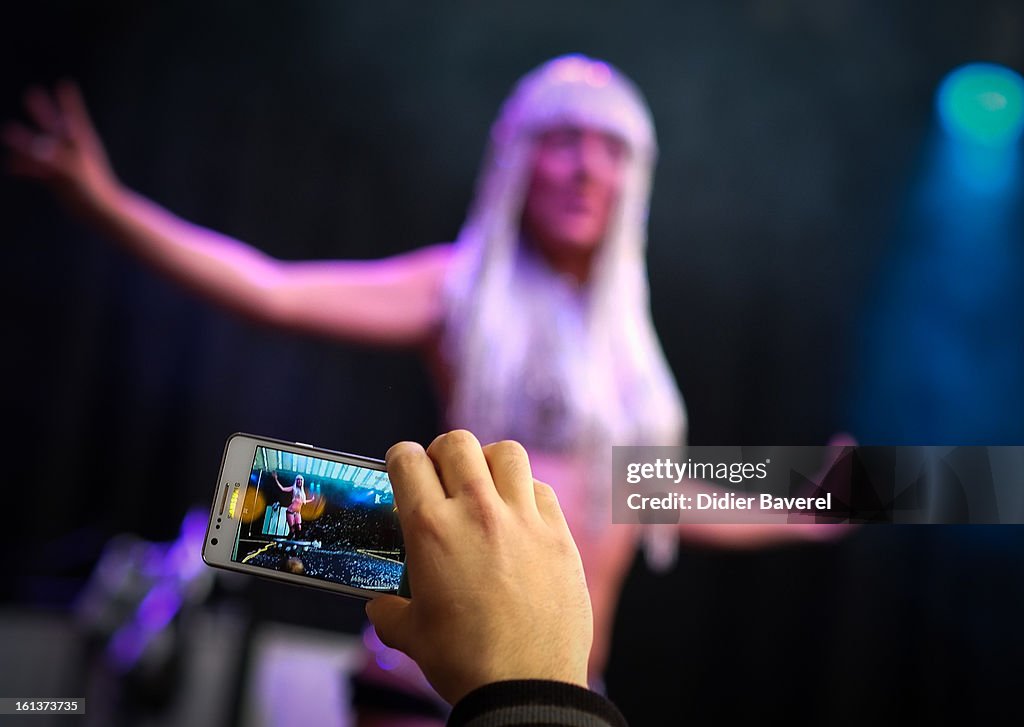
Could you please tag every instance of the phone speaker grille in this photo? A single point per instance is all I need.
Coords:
(224, 499)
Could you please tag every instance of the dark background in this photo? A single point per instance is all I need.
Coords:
(794, 138)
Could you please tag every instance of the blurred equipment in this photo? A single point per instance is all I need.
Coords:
(148, 642)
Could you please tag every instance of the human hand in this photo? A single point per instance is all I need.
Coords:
(782, 527)
(63, 150)
(828, 531)
(498, 586)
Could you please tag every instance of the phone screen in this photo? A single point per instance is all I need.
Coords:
(322, 519)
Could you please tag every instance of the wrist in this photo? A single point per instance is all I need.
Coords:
(104, 198)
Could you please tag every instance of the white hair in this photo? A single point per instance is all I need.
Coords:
(512, 321)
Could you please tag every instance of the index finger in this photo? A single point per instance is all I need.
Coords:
(413, 477)
(44, 112)
(72, 105)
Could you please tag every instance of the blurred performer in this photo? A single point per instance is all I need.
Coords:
(294, 514)
(535, 322)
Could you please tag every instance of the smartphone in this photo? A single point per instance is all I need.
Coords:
(306, 516)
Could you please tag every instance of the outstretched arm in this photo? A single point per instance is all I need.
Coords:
(758, 533)
(391, 301)
(282, 488)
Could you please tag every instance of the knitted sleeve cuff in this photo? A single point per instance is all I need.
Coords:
(534, 702)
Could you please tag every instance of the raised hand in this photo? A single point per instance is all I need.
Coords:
(62, 149)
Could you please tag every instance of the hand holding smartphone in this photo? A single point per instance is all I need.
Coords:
(500, 589)
(498, 583)
(307, 516)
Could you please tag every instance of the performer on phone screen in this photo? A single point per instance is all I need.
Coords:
(294, 514)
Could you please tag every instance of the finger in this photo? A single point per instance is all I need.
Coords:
(413, 477)
(18, 138)
(548, 506)
(461, 464)
(837, 445)
(842, 439)
(31, 153)
(510, 469)
(390, 617)
(76, 115)
(21, 166)
(44, 111)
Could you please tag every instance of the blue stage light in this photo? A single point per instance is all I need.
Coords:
(982, 103)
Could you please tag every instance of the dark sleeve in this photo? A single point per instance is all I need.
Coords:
(534, 702)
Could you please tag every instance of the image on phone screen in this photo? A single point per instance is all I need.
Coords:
(322, 519)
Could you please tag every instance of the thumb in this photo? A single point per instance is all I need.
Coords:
(390, 618)
(842, 439)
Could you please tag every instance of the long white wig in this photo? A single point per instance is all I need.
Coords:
(515, 328)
